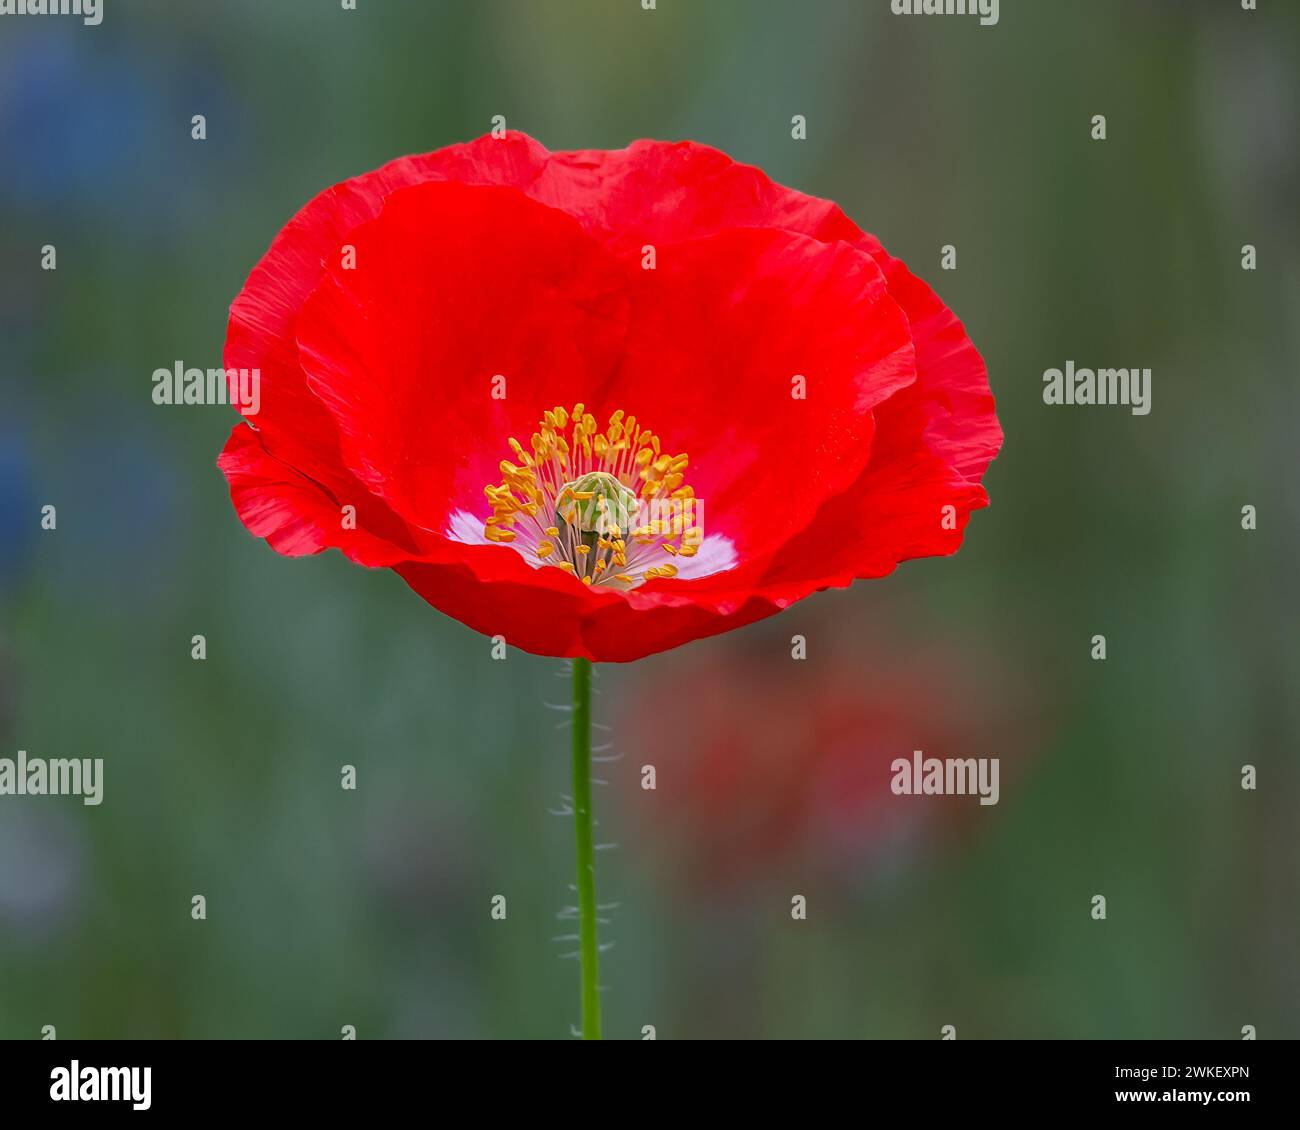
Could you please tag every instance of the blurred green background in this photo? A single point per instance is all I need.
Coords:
(371, 908)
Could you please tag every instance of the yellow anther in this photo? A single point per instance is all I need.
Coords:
(619, 467)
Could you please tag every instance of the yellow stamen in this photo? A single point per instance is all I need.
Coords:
(617, 491)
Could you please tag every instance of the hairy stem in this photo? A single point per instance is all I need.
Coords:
(589, 953)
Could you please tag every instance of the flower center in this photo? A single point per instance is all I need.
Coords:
(608, 507)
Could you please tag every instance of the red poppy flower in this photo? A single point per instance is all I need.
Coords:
(728, 395)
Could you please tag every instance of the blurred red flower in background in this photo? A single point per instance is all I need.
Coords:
(412, 325)
(784, 768)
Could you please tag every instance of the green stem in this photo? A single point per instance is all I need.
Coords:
(589, 953)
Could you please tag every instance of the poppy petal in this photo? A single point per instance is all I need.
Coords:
(469, 312)
(298, 516)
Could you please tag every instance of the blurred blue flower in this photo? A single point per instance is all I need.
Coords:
(42, 867)
(97, 126)
(72, 120)
(18, 511)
